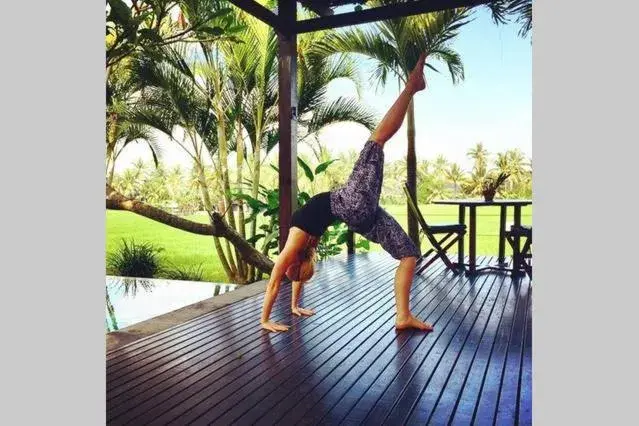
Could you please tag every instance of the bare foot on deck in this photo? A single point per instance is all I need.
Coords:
(412, 322)
(416, 77)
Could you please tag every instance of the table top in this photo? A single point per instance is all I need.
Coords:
(481, 202)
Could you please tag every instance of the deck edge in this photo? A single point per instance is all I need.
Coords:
(135, 332)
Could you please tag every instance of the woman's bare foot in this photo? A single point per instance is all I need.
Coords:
(412, 322)
(299, 311)
(416, 79)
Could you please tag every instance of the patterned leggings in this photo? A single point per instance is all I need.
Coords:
(357, 204)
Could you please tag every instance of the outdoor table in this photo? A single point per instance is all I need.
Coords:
(472, 229)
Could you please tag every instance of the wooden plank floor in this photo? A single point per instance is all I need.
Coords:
(344, 365)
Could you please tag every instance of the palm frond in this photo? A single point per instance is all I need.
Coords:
(341, 110)
(364, 42)
(453, 62)
(504, 11)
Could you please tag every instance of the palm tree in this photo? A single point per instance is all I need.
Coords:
(480, 156)
(252, 69)
(440, 164)
(178, 92)
(455, 174)
(212, 94)
(121, 130)
(395, 46)
(512, 162)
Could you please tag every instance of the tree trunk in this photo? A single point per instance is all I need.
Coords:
(224, 173)
(208, 205)
(111, 172)
(240, 215)
(229, 251)
(217, 228)
(228, 269)
(204, 190)
(257, 149)
(411, 172)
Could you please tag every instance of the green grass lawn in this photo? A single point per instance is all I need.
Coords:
(189, 250)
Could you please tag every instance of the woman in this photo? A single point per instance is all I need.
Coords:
(357, 205)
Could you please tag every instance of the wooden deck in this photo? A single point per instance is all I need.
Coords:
(344, 365)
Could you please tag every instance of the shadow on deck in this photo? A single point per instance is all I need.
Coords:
(344, 365)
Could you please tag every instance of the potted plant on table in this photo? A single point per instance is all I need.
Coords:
(491, 184)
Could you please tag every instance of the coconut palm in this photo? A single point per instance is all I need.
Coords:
(440, 164)
(455, 174)
(479, 154)
(252, 69)
(395, 45)
(210, 94)
(176, 93)
(120, 129)
(513, 163)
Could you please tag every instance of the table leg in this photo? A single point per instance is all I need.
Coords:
(516, 240)
(502, 235)
(471, 241)
(460, 244)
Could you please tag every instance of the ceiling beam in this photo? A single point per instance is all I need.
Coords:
(382, 13)
(260, 12)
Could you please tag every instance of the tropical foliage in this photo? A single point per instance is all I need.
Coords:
(210, 89)
(203, 75)
(437, 178)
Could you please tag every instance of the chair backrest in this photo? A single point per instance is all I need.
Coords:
(418, 214)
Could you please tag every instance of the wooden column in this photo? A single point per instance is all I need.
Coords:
(287, 71)
(350, 242)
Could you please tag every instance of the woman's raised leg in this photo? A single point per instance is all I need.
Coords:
(393, 119)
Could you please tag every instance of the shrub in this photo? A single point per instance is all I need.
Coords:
(132, 259)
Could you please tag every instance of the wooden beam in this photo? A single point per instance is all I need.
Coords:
(382, 13)
(287, 74)
(260, 12)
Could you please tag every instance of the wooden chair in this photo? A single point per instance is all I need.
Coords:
(452, 233)
(522, 259)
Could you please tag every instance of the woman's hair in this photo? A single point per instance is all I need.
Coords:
(307, 264)
(304, 267)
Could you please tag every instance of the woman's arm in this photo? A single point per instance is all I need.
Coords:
(295, 242)
(295, 300)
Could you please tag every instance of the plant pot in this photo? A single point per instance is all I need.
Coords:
(489, 196)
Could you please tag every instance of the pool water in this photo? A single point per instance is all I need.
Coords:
(152, 297)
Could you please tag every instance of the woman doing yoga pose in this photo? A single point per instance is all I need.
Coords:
(357, 205)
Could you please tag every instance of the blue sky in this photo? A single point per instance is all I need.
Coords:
(492, 105)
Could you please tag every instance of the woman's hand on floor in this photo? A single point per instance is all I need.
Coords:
(274, 326)
(299, 311)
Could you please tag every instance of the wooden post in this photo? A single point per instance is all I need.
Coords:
(472, 243)
(350, 242)
(516, 242)
(460, 244)
(287, 72)
(502, 235)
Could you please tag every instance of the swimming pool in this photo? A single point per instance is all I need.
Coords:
(152, 297)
